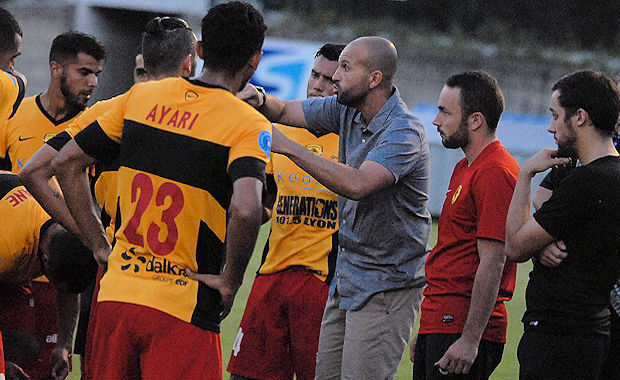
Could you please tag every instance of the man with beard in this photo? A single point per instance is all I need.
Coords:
(298, 260)
(567, 319)
(196, 155)
(463, 323)
(382, 182)
(75, 61)
(169, 46)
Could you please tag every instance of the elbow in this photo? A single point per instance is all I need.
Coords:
(356, 192)
(251, 213)
(515, 254)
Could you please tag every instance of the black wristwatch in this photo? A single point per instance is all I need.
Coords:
(261, 91)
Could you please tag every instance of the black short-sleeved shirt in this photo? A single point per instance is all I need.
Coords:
(583, 212)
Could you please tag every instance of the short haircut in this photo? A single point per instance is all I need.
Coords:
(166, 41)
(231, 34)
(593, 92)
(331, 52)
(66, 47)
(480, 92)
(71, 261)
(9, 27)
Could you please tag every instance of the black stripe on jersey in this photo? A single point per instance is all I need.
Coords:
(20, 95)
(332, 256)
(5, 163)
(58, 141)
(210, 258)
(118, 221)
(94, 142)
(8, 182)
(265, 252)
(197, 163)
(247, 167)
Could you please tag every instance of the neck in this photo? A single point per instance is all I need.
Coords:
(477, 145)
(232, 84)
(372, 104)
(594, 146)
(54, 103)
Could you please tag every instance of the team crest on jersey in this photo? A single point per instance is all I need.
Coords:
(264, 142)
(190, 96)
(316, 149)
(457, 193)
(48, 137)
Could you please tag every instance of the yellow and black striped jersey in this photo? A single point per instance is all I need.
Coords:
(22, 220)
(304, 224)
(27, 130)
(181, 144)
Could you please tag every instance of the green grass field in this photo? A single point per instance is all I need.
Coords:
(508, 368)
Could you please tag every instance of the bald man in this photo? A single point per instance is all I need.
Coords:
(381, 179)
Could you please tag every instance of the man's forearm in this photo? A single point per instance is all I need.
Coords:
(68, 306)
(241, 237)
(518, 214)
(75, 186)
(483, 298)
(37, 177)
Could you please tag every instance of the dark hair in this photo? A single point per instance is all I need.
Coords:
(166, 41)
(231, 34)
(71, 261)
(331, 52)
(480, 92)
(593, 92)
(67, 46)
(9, 27)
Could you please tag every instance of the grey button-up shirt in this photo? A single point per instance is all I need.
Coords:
(382, 237)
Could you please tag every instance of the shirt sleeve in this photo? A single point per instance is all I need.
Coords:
(12, 91)
(492, 190)
(322, 115)
(569, 206)
(554, 177)
(398, 150)
(251, 149)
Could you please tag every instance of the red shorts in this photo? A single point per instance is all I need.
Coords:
(88, 348)
(32, 308)
(134, 342)
(1, 358)
(279, 332)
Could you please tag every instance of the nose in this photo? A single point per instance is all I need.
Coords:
(336, 76)
(436, 121)
(92, 81)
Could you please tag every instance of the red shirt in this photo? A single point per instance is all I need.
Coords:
(475, 207)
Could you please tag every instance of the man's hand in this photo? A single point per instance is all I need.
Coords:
(543, 160)
(553, 254)
(14, 372)
(459, 357)
(102, 255)
(412, 348)
(60, 363)
(280, 143)
(227, 292)
(251, 95)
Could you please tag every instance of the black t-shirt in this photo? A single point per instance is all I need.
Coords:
(583, 212)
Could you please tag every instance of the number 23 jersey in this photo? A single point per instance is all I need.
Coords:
(182, 145)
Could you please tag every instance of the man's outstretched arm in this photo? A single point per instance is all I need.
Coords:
(342, 179)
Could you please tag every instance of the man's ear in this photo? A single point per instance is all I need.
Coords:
(475, 121)
(187, 64)
(255, 59)
(581, 117)
(199, 50)
(376, 77)
(56, 69)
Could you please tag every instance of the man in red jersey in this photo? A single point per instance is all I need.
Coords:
(463, 323)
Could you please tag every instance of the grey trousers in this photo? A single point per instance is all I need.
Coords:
(367, 343)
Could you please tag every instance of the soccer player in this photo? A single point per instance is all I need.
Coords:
(170, 49)
(75, 61)
(463, 322)
(192, 159)
(382, 182)
(11, 87)
(299, 257)
(31, 245)
(567, 316)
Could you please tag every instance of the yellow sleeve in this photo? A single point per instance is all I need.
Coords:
(253, 139)
(112, 121)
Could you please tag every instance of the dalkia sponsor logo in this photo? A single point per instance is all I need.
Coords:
(155, 265)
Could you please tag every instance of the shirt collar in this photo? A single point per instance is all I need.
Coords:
(379, 120)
